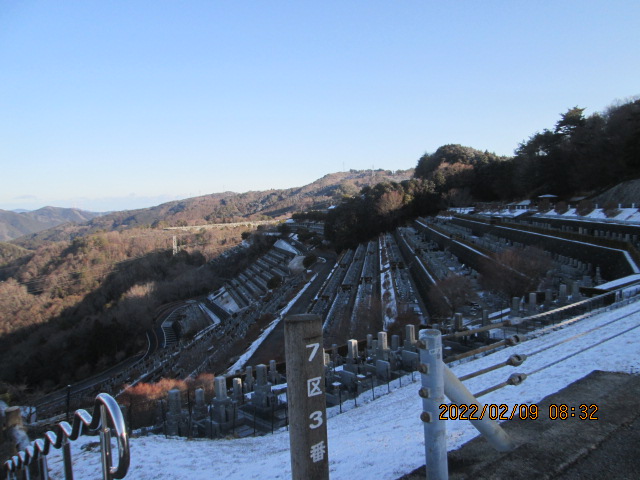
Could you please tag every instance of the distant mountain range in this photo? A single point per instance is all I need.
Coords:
(14, 224)
(214, 208)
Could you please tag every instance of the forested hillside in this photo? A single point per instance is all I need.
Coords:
(578, 156)
(71, 308)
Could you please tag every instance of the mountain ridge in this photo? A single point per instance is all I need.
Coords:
(225, 207)
(16, 224)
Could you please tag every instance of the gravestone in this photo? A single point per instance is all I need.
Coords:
(575, 291)
(382, 350)
(457, 322)
(548, 298)
(409, 360)
(352, 356)
(410, 336)
(274, 376)
(238, 396)
(200, 409)
(174, 414)
(352, 351)
(221, 404)
(532, 303)
(515, 307)
(248, 380)
(383, 370)
(347, 378)
(562, 296)
(262, 388)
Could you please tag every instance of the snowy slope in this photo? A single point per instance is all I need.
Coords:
(383, 439)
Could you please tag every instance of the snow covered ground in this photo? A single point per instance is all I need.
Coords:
(389, 304)
(623, 215)
(384, 439)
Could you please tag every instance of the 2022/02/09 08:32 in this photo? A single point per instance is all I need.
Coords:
(503, 411)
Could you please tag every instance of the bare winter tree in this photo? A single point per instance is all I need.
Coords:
(514, 272)
(449, 294)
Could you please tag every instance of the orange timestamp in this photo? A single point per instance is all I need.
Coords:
(503, 411)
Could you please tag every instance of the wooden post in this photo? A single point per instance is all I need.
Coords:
(306, 397)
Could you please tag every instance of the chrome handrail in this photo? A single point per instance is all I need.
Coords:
(105, 411)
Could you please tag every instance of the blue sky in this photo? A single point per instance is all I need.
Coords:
(114, 105)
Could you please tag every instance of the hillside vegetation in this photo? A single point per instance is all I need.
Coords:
(579, 156)
(71, 308)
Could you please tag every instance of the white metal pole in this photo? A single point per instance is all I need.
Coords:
(455, 390)
(432, 393)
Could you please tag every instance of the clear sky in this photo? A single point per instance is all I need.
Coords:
(111, 105)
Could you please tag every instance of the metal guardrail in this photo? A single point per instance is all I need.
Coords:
(106, 412)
